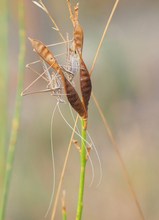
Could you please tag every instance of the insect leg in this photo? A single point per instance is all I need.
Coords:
(59, 43)
(34, 81)
(34, 71)
(35, 92)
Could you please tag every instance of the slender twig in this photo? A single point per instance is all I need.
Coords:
(103, 36)
(116, 148)
(83, 158)
(16, 117)
(56, 28)
(3, 85)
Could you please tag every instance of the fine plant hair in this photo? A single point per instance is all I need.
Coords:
(3, 86)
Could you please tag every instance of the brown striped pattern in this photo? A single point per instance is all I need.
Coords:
(85, 83)
(45, 53)
(74, 99)
(78, 38)
(70, 91)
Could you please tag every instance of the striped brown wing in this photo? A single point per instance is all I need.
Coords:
(78, 38)
(85, 83)
(44, 53)
(73, 98)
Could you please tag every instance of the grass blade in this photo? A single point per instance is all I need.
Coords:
(3, 85)
(17, 111)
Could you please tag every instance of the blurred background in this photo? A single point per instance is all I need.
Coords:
(126, 83)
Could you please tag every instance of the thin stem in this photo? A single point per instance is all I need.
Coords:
(123, 166)
(64, 213)
(55, 25)
(83, 158)
(3, 85)
(104, 34)
(16, 117)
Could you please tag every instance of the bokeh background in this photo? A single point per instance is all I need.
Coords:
(126, 84)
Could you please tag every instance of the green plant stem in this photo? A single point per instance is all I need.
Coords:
(64, 214)
(83, 160)
(3, 85)
(16, 116)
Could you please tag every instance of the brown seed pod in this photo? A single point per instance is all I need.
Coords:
(85, 84)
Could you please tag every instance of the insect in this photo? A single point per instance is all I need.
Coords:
(62, 77)
(70, 91)
(75, 49)
(72, 67)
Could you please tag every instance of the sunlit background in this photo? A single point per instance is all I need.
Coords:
(126, 83)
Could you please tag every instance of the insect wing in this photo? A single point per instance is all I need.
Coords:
(85, 84)
(73, 98)
(44, 53)
(78, 38)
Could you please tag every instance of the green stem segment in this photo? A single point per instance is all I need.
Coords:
(83, 157)
(64, 214)
(16, 116)
(4, 11)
